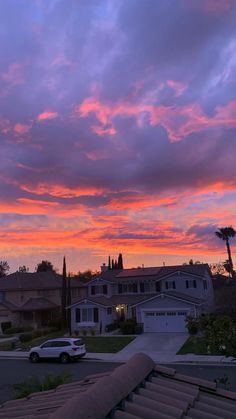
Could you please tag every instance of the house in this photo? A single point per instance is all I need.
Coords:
(33, 299)
(137, 389)
(159, 298)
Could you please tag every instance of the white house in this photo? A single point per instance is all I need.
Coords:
(159, 298)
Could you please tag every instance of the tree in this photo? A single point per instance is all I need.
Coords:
(64, 294)
(109, 263)
(45, 266)
(120, 261)
(4, 268)
(23, 269)
(225, 233)
(68, 303)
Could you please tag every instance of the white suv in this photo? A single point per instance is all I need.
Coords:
(65, 349)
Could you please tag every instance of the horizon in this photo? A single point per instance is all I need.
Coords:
(117, 130)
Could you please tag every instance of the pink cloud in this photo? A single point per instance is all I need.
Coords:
(22, 128)
(178, 87)
(178, 121)
(14, 74)
(47, 115)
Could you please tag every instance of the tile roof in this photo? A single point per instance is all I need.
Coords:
(153, 272)
(38, 303)
(34, 280)
(135, 390)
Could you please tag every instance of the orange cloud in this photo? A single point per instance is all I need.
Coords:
(47, 115)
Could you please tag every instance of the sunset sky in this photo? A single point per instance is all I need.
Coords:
(117, 131)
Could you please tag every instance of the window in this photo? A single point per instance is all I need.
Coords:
(120, 288)
(191, 283)
(98, 289)
(87, 314)
(204, 284)
(171, 313)
(141, 287)
(182, 313)
(135, 288)
(170, 285)
(109, 311)
(158, 286)
(146, 286)
(77, 315)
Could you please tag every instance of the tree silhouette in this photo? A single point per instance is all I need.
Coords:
(225, 233)
(4, 268)
(45, 266)
(120, 261)
(64, 294)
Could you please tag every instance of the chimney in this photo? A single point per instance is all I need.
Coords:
(104, 268)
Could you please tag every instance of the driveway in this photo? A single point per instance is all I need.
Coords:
(159, 346)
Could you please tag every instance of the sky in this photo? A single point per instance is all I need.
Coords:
(117, 131)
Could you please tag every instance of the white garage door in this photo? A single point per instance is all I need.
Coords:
(165, 321)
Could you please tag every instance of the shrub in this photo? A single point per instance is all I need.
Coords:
(5, 326)
(219, 332)
(49, 382)
(56, 324)
(130, 327)
(18, 329)
(26, 337)
(192, 325)
(112, 326)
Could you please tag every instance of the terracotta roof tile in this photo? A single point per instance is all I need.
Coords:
(135, 390)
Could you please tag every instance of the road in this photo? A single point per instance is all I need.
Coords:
(17, 371)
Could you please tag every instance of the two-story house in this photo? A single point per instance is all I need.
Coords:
(159, 298)
(34, 298)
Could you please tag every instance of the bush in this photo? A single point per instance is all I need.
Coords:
(130, 327)
(112, 326)
(192, 325)
(18, 329)
(219, 333)
(26, 337)
(5, 326)
(49, 382)
(56, 324)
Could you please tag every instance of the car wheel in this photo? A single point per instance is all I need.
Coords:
(34, 357)
(64, 358)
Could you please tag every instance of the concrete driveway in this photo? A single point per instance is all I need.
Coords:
(160, 346)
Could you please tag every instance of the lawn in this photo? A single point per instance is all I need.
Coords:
(194, 345)
(97, 344)
(106, 344)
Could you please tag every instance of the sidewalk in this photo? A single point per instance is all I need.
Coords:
(159, 358)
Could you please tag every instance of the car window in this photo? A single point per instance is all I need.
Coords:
(60, 343)
(78, 342)
(47, 345)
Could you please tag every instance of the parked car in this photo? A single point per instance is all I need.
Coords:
(64, 349)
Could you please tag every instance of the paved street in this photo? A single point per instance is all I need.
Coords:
(15, 371)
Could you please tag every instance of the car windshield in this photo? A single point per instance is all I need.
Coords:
(78, 342)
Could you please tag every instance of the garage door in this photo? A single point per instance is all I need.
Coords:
(165, 321)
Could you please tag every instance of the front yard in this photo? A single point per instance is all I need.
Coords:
(94, 344)
(198, 346)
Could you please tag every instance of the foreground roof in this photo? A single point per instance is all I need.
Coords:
(137, 389)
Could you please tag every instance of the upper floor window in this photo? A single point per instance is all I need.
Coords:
(158, 286)
(192, 283)
(98, 289)
(170, 285)
(127, 288)
(204, 284)
(109, 311)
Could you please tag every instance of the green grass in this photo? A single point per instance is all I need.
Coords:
(106, 344)
(194, 345)
(97, 344)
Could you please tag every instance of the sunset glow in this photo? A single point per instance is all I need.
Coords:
(117, 131)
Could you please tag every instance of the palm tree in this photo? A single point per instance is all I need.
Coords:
(225, 233)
